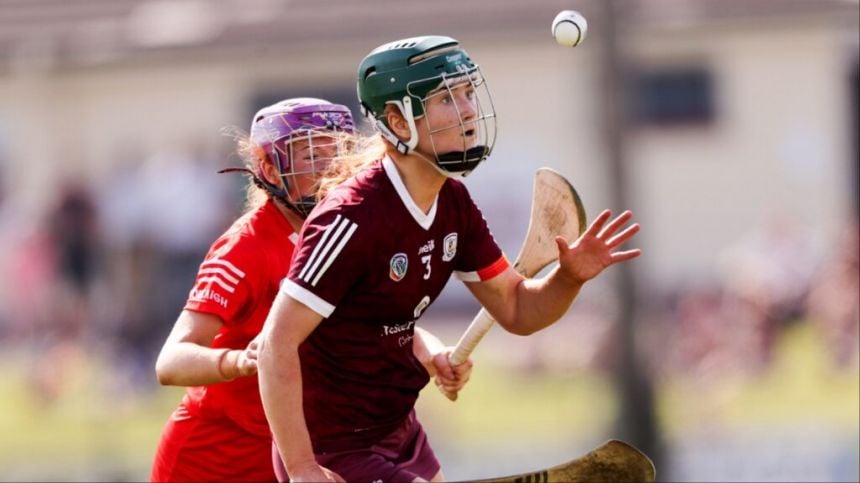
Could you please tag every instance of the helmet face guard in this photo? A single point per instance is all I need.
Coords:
(300, 136)
(475, 121)
(406, 73)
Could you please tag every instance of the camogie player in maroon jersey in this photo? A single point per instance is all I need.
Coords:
(338, 377)
(219, 431)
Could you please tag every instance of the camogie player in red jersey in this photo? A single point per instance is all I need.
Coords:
(338, 377)
(219, 431)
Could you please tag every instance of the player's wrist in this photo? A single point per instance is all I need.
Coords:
(227, 364)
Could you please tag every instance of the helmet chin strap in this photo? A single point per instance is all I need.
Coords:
(409, 147)
(405, 107)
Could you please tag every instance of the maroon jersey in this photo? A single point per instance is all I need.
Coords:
(370, 262)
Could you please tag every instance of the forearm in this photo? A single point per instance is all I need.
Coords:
(541, 302)
(191, 364)
(281, 392)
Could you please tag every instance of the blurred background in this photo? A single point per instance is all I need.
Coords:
(728, 351)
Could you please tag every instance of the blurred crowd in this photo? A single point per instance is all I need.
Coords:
(768, 280)
(107, 265)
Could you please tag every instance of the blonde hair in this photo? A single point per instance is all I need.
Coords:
(252, 157)
(358, 153)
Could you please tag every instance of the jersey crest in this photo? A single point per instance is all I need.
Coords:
(399, 264)
(449, 247)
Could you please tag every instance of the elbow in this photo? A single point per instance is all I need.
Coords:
(517, 327)
(163, 373)
(521, 330)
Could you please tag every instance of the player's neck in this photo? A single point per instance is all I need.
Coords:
(421, 179)
(292, 217)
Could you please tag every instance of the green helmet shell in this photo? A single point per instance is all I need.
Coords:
(408, 68)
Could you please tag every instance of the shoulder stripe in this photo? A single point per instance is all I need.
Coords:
(318, 247)
(223, 273)
(224, 263)
(325, 258)
(217, 281)
(335, 253)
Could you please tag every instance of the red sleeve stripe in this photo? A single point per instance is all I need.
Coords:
(485, 273)
(494, 269)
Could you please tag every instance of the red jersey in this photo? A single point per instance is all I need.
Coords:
(370, 261)
(238, 281)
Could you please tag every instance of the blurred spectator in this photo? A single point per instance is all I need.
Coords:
(834, 302)
(766, 276)
(161, 212)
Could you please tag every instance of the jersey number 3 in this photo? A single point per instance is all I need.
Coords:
(426, 261)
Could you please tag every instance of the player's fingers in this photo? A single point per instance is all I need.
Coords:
(626, 255)
(598, 223)
(615, 224)
(443, 366)
(623, 236)
(562, 245)
(452, 389)
(249, 369)
(463, 375)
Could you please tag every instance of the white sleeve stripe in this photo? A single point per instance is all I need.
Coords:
(225, 263)
(335, 253)
(217, 281)
(324, 253)
(305, 296)
(221, 272)
(331, 241)
(468, 276)
(319, 246)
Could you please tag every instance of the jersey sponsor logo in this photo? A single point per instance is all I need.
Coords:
(449, 247)
(208, 294)
(334, 238)
(398, 266)
(427, 248)
(397, 328)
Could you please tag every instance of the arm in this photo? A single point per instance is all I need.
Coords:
(188, 359)
(289, 323)
(523, 306)
(434, 356)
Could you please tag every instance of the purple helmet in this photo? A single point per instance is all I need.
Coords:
(276, 127)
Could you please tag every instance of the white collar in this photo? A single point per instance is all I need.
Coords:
(425, 220)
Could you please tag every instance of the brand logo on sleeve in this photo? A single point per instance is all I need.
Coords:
(399, 264)
(449, 247)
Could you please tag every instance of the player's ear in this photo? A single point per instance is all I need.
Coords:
(396, 122)
(270, 172)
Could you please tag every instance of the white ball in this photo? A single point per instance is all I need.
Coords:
(569, 28)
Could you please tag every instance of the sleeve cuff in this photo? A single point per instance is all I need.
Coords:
(305, 296)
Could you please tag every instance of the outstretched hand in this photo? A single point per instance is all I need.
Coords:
(594, 250)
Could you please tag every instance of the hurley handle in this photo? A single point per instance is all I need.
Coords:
(481, 324)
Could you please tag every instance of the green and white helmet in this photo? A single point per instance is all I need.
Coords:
(404, 73)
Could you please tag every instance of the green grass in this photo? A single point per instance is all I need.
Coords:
(545, 407)
(800, 387)
(91, 432)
